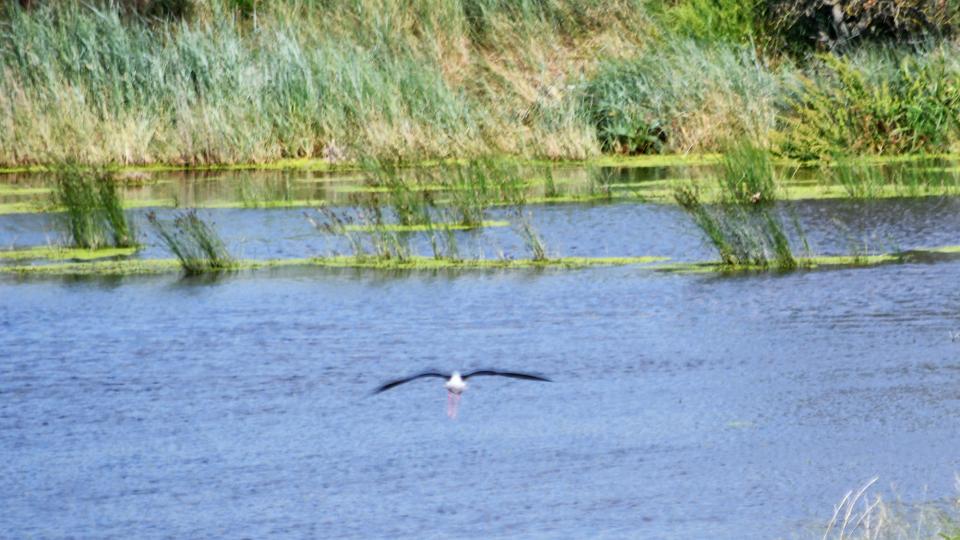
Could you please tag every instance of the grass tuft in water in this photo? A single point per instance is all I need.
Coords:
(196, 245)
(531, 237)
(747, 176)
(93, 209)
(743, 225)
(371, 240)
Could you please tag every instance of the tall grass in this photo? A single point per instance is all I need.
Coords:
(425, 78)
(864, 515)
(93, 209)
(742, 223)
(370, 240)
(195, 244)
(683, 96)
(474, 186)
(531, 237)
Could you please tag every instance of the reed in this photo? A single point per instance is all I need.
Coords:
(742, 224)
(421, 79)
(93, 209)
(747, 176)
(196, 245)
(371, 240)
(879, 101)
(531, 237)
(476, 185)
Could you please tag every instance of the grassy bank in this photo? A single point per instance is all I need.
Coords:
(327, 83)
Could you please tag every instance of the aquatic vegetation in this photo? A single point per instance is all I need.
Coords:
(600, 183)
(864, 180)
(747, 176)
(62, 253)
(742, 224)
(252, 194)
(364, 230)
(93, 209)
(416, 263)
(196, 245)
(531, 238)
(476, 185)
(300, 80)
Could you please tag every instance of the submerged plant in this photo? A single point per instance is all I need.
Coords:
(196, 244)
(93, 209)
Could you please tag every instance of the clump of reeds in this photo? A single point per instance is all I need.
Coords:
(196, 244)
(476, 185)
(600, 180)
(364, 230)
(857, 180)
(405, 195)
(862, 180)
(747, 176)
(443, 241)
(93, 209)
(531, 237)
(878, 101)
(742, 224)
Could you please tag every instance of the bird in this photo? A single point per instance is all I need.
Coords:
(456, 383)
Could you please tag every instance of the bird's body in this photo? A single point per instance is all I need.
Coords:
(456, 384)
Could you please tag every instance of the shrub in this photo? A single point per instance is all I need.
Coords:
(881, 103)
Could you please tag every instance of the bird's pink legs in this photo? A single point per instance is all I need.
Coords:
(453, 403)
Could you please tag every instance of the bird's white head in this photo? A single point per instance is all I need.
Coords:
(456, 384)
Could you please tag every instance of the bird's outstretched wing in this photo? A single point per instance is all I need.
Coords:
(398, 382)
(511, 374)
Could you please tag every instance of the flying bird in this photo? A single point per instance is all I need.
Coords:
(456, 384)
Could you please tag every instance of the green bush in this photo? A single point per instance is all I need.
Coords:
(880, 103)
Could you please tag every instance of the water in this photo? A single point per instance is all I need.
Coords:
(685, 406)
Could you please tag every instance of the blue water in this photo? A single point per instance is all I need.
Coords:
(684, 406)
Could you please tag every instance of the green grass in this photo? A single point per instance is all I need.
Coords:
(196, 245)
(742, 225)
(302, 81)
(93, 214)
(418, 263)
(302, 85)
